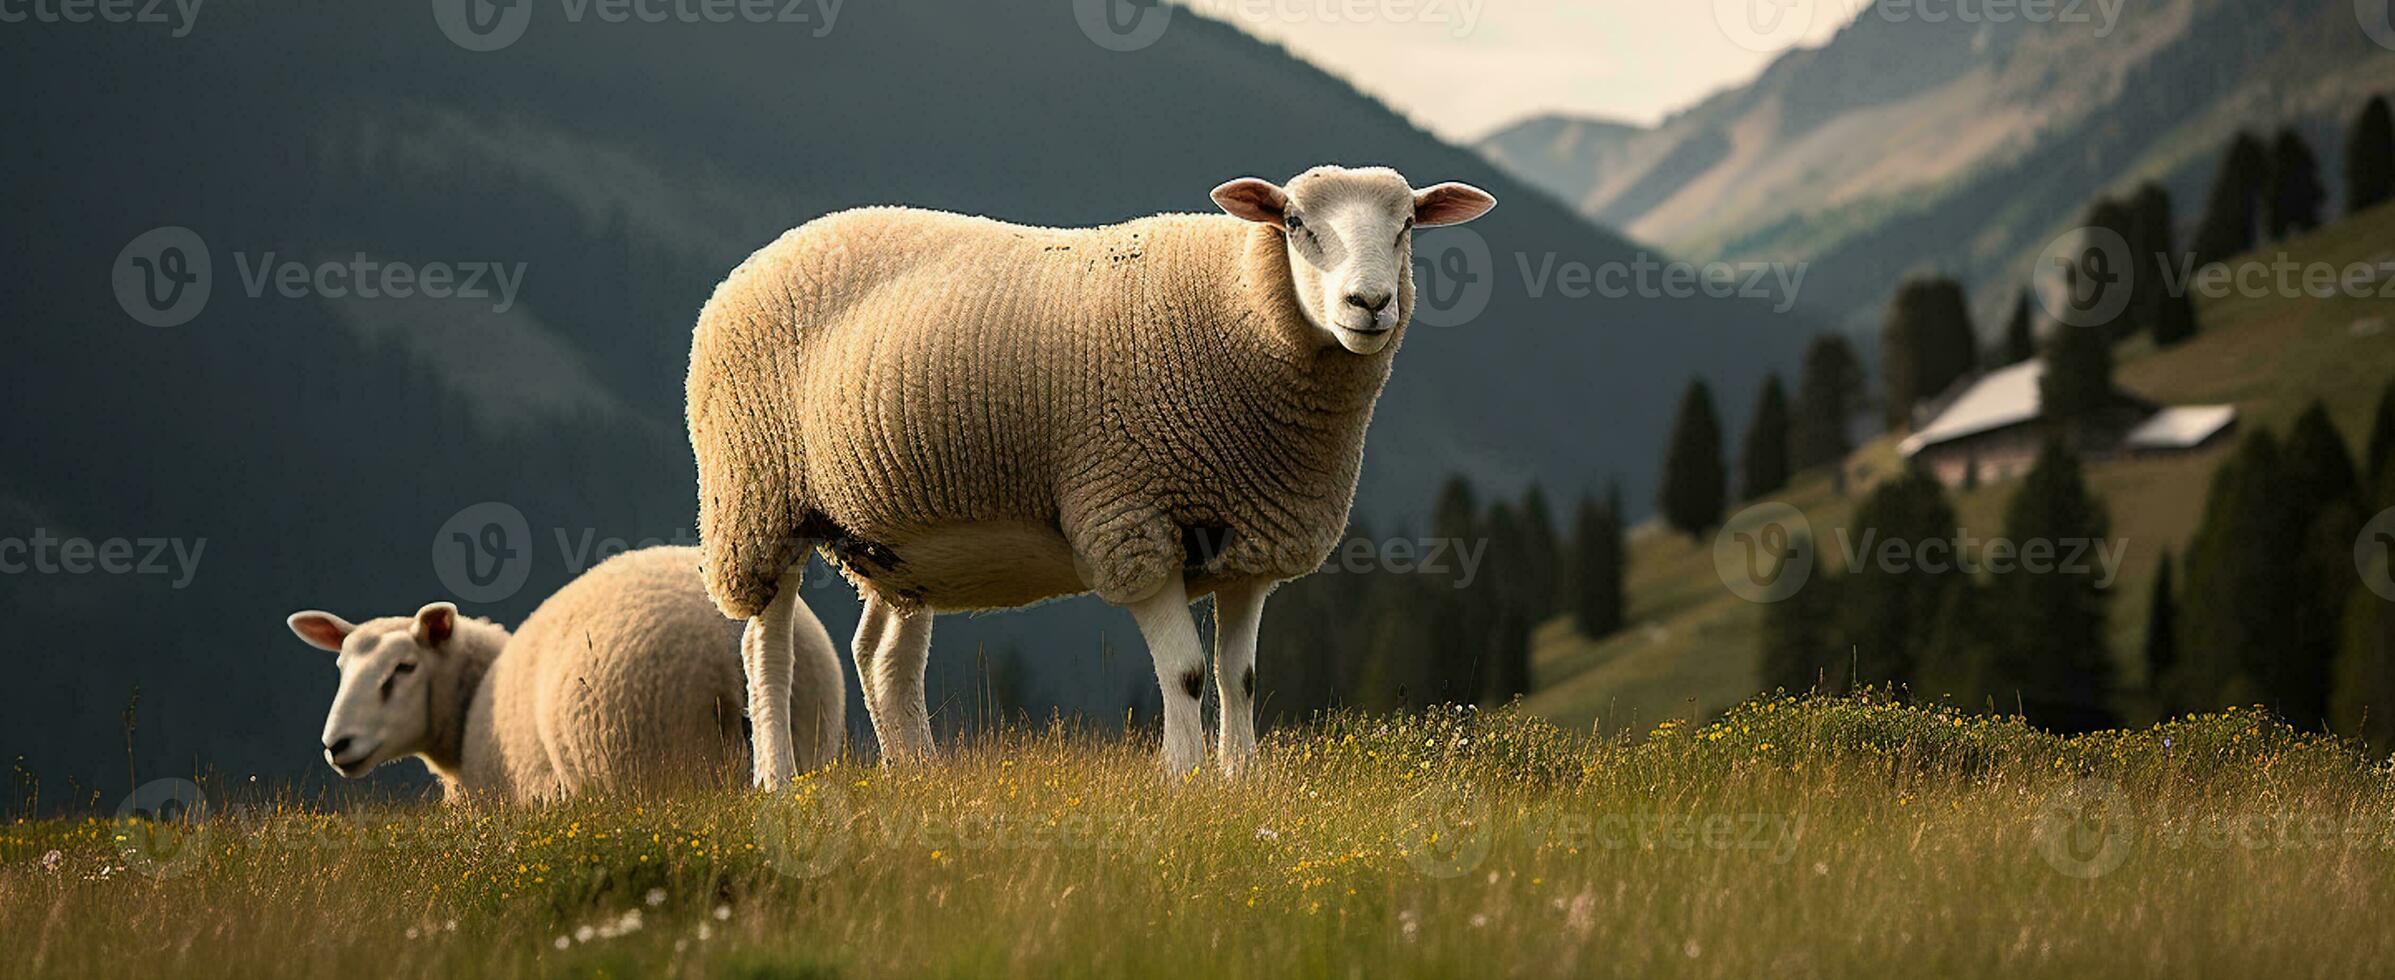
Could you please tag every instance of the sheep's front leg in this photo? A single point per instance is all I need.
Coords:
(1238, 612)
(1171, 633)
(893, 646)
(767, 658)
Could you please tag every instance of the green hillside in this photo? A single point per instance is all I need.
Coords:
(1691, 648)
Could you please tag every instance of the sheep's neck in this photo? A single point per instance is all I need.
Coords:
(476, 644)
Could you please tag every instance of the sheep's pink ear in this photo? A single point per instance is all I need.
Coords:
(1253, 199)
(321, 630)
(434, 624)
(1450, 204)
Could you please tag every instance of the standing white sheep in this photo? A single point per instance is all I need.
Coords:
(968, 414)
(626, 678)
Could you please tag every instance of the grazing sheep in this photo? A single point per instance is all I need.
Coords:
(968, 414)
(626, 678)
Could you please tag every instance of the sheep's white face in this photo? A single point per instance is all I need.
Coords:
(1350, 238)
(382, 710)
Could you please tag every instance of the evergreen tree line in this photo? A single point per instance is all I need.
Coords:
(1784, 437)
(2269, 608)
(2262, 191)
(1996, 633)
(2269, 191)
(1379, 628)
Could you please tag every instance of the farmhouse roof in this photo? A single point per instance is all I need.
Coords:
(2003, 397)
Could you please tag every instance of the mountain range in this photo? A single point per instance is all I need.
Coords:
(321, 439)
(1960, 146)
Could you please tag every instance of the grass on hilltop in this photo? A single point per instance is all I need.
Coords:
(1835, 836)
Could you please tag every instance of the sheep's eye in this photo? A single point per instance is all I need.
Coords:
(1402, 229)
(405, 667)
(1295, 223)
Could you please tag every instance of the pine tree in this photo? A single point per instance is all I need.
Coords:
(2293, 198)
(2370, 157)
(1763, 462)
(2077, 384)
(1588, 571)
(2242, 571)
(1502, 591)
(2095, 280)
(2382, 439)
(2049, 656)
(1613, 592)
(1541, 589)
(2320, 493)
(2020, 332)
(2167, 314)
(1801, 648)
(1694, 480)
(2318, 471)
(2162, 632)
(2362, 690)
(2231, 207)
(1889, 605)
(1826, 397)
(1926, 343)
(1457, 667)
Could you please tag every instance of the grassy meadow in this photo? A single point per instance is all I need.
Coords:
(1796, 838)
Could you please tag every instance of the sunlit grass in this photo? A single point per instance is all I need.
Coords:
(1806, 837)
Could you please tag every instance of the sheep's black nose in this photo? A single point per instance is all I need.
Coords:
(338, 747)
(1368, 302)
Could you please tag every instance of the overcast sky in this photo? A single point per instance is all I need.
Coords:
(1461, 68)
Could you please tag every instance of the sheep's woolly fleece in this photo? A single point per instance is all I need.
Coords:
(969, 414)
(625, 678)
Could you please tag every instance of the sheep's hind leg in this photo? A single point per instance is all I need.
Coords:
(893, 645)
(1238, 613)
(1172, 637)
(767, 658)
